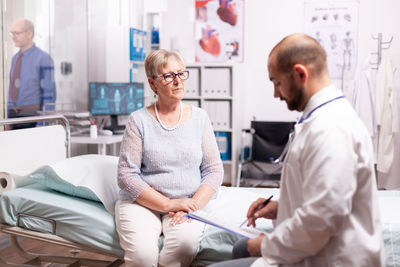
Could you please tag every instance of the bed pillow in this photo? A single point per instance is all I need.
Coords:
(91, 177)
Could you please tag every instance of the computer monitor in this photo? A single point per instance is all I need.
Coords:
(115, 99)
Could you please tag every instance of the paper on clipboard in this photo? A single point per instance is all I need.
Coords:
(205, 217)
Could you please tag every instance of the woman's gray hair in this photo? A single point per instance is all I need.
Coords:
(159, 59)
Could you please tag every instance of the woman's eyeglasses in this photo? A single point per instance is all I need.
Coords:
(170, 76)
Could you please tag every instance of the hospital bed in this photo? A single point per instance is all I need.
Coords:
(21, 152)
(38, 212)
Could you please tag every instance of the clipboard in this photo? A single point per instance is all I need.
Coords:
(202, 216)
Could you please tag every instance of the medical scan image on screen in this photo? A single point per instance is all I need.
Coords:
(115, 98)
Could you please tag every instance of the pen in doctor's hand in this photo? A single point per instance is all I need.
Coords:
(262, 205)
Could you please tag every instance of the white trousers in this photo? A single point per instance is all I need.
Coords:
(139, 230)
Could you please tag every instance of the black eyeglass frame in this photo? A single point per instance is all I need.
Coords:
(174, 74)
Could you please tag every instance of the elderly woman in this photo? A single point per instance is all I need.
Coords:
(169, 164)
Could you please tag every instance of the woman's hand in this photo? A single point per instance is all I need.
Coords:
(183, 204)
(178, 217)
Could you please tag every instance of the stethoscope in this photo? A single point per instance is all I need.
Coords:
(302, 119)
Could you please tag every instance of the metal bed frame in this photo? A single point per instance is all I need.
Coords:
(35, 259)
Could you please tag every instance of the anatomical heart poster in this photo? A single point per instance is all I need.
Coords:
(219, 30)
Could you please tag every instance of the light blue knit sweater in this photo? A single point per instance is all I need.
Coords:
(175, 163)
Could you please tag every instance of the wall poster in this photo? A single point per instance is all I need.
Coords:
(219, 30)
(335, 25)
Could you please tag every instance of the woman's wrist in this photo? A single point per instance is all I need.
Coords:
(199, 203)
(169, 205)
(203, 195)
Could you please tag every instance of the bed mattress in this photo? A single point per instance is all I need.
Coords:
(38, 208)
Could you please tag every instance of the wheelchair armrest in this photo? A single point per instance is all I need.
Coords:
(249, 131)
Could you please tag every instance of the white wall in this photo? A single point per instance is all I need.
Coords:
(108, 37)
(266, 23)
(260, 36)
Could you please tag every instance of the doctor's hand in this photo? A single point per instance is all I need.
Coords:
(254, 246)
(183, 204)
(269, 211)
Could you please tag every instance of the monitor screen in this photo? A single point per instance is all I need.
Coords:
(115, 98)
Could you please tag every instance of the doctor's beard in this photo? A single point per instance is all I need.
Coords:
(296, 96)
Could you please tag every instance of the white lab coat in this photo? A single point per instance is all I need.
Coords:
(360, 91)
(328, 208)
(386, 114)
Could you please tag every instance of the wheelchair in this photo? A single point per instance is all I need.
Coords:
(260, 163)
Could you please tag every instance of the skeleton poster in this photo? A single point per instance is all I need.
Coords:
(219, 30)
(335, 25)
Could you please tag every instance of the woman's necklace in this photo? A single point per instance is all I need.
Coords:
(168, 128)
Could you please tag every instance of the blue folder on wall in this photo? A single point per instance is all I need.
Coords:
(137, 44)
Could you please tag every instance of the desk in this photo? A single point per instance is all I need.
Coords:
(101, 141)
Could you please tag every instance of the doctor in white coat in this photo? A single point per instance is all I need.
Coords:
(327, 214)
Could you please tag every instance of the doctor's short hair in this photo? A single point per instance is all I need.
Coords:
(159, 59)
(300, 49)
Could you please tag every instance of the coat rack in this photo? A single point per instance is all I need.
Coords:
(381, 45)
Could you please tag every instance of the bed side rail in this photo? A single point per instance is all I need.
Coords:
(55, 118)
